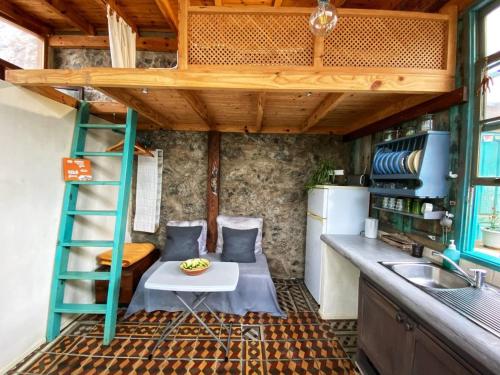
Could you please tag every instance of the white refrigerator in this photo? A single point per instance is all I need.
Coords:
(331, 210)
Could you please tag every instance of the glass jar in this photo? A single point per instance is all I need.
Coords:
(426, 123)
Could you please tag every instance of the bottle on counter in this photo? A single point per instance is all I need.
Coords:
(452, 253)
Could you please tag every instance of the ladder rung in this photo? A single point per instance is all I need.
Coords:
(91, 212)
(103, 126)
(97, 153)
(78, 308)
(82, 243)
(113, 183)
(80, 275)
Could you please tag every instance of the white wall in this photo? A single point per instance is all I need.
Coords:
(35, 134)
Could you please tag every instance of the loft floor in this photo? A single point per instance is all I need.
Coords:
(303, 343)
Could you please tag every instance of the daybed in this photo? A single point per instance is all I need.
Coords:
(255, 291)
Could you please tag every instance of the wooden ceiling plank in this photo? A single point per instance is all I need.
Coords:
(277, 3)
(389, 110)
(113, 4)
(140, 105)
(197, 104)
(218, 3)
(261, 102)
(439, 103)
(18, 16)
(63, 8)
(157, 44)
(168, 12)
(322, 81)
(328, 104)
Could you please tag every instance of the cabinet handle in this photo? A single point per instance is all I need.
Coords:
(399, 317)
(408, 326)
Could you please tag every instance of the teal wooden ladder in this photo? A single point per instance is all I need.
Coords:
(65, 243)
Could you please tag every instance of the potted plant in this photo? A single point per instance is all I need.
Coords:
(323, 175)
(491, 233)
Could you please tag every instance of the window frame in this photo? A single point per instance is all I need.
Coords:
(475, 26)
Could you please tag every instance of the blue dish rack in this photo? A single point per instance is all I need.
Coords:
(431, 179)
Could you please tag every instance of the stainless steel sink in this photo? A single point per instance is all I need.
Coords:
(428, 275)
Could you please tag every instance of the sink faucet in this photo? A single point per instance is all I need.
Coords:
(477, 280)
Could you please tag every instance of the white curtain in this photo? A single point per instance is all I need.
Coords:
(121, 42)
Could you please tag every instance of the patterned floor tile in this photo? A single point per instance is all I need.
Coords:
(254, 350)
(339, 326)
(335, 366)
(176, 349)
(348, 341)
(297, 332)
(255, 367)
(251, 332)
(44, 363)
(292, 367)
(301, 343)
(211, 349)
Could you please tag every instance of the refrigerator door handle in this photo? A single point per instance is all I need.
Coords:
(315, 217)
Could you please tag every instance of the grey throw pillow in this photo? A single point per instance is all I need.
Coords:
(182, 243)
(238, 245)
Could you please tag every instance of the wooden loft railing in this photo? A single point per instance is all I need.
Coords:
(260, 38)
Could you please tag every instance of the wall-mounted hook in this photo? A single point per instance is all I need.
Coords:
(452, 176)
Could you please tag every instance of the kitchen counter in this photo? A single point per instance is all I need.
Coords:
(365, 254)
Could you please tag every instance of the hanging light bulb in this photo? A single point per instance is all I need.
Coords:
(323, 19)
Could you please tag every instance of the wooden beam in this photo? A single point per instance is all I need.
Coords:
(63, 8)
(15, 15)
(430, 6)
(141, 106)
(328, 104)
(461, 4)
(277, 3)
(440, 103)
(107, 108)
(119, 11)
(322, 81)
(261, 102)
(318, 51)
(218, 3)
(197, 104)
(213, 188)
(157, 44)
(46, 91)
(168, 13)
(182, 53)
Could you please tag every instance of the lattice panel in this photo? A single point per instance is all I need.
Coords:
(249, 39)
(387, 42)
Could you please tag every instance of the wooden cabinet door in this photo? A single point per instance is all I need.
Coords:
(432, 358)
(382, 332)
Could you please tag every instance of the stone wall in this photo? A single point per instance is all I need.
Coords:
(75, 58)
(261, 175)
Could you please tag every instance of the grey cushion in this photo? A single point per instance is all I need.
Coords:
(182, 243)
(239, 245)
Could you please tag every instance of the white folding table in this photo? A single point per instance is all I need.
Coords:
(220, 277)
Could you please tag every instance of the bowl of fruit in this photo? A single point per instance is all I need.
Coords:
(196, 266)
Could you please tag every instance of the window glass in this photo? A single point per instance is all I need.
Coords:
(486, 225)
(491, 101)
(489, 155)
(20, 47)
(492, 29)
